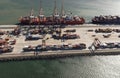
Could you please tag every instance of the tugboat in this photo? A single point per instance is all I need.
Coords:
(55, 19)
(106, 19)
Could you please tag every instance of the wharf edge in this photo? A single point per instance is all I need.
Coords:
(54, 55)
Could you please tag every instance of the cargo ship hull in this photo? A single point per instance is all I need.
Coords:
(106, 20)
(51, 22)
(55, 19)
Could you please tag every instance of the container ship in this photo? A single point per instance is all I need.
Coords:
(54, 19)
(106, 19)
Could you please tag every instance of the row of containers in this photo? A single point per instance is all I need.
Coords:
(107, 30)
(6, 45)
(79, 46)
(108, 45)
(66, 36)
(7, 41)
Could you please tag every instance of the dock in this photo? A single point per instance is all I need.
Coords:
(87, 36)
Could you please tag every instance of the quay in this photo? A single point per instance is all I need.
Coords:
(54, 55)
(87, 35)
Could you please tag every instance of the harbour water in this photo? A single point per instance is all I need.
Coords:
(74, 67)
(11, 10)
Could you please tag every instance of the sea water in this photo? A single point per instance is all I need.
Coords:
(74, 67)
(12, 10)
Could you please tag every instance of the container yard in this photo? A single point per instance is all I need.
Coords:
(42, 42)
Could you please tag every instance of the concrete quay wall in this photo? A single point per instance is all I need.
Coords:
(54, 55)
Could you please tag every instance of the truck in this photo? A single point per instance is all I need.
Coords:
(33, 37)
